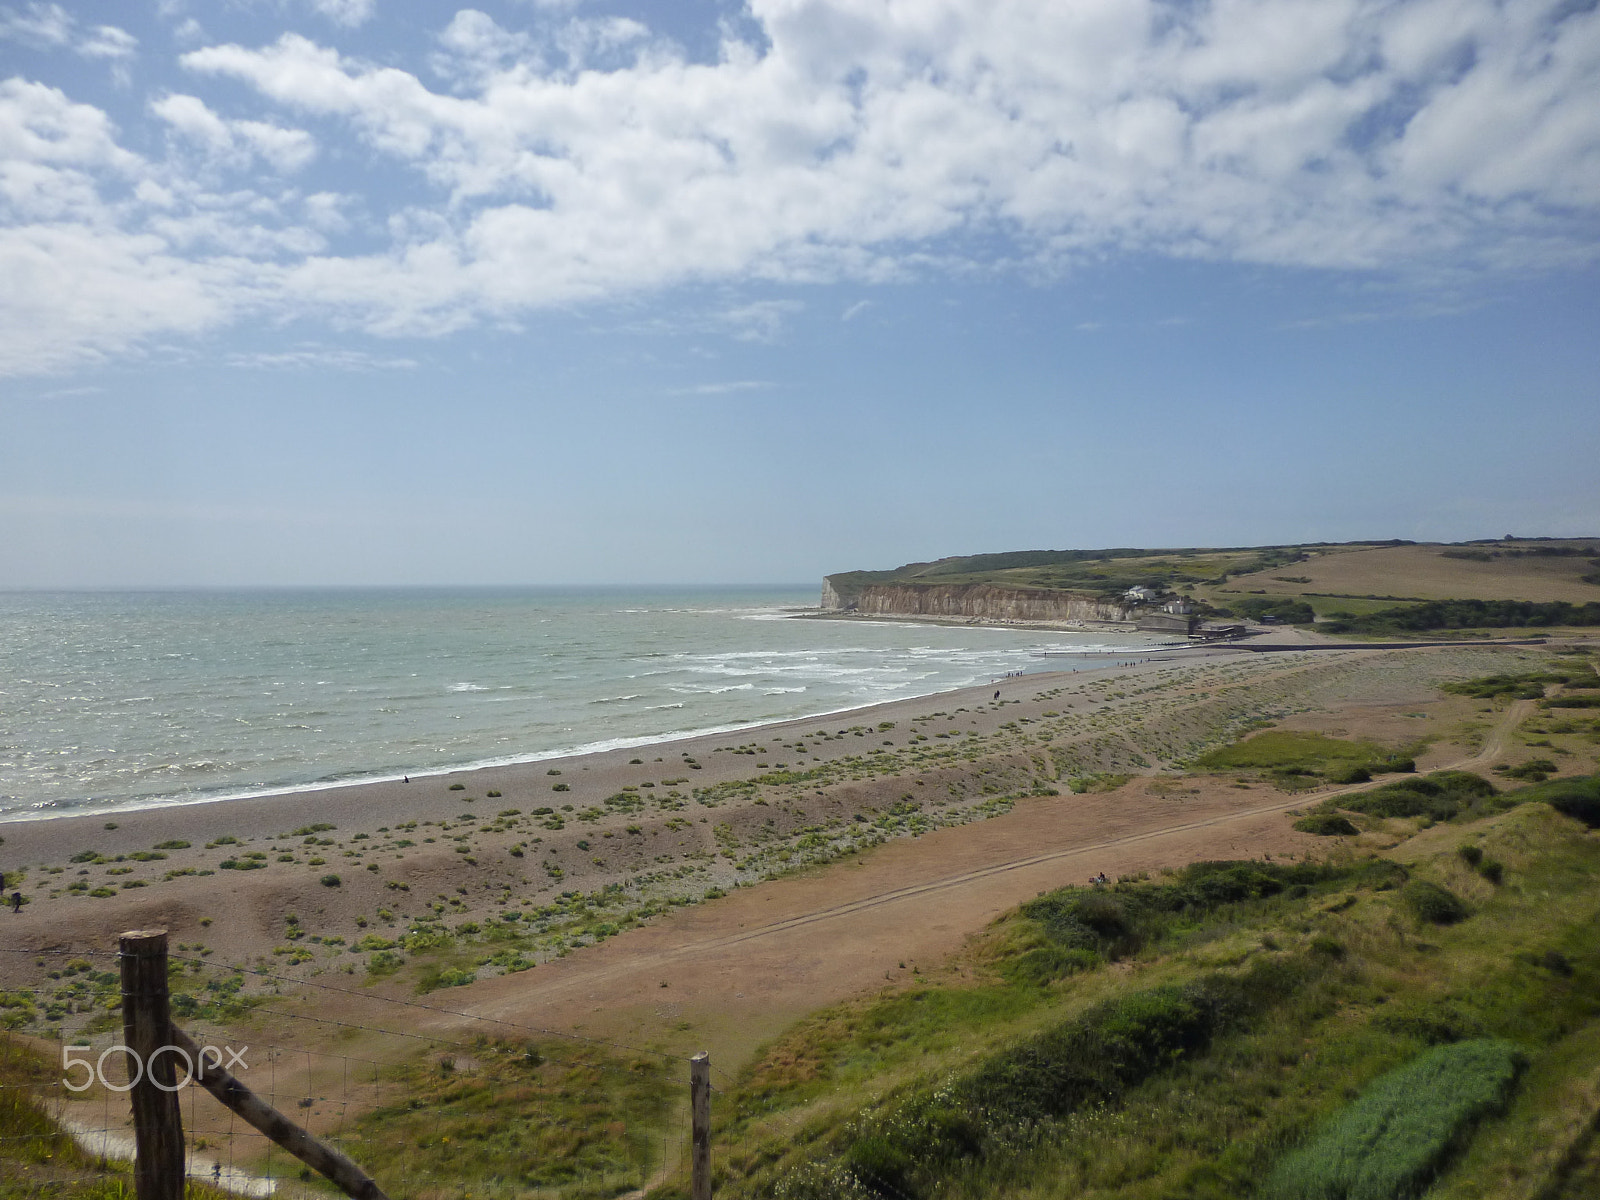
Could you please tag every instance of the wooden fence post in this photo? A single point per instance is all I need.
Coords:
(700, 1108)
(158, 1165)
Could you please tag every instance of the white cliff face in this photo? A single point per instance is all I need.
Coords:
(983, 601)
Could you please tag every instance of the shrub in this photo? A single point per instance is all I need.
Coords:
(1536, 770)
(174, 844)
(1577, 797)
(1441, 795)
(458, 787)
(331, 881)
(1392, 1141)
(1470, 854)
(1432, 903)
(1327, 825)
(1355, 773)
(1493, 870)
(561, 787)
(1571, 702)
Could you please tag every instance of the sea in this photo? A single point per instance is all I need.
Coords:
(119, 700)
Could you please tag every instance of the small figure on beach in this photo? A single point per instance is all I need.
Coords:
(997, 694)
(216, 1167)
(16, 902)
(408, 779)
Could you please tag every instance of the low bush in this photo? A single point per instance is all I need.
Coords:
(1571, 702)
(1577, 797)
(1440, 795)
(1355, 773)
(1327, 825)
(1393, 1140)
(1432, 903)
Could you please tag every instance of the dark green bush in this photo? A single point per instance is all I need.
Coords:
(881, 1166)
(1355, 773)
(1326, 825)
(1577, 797)
(1440, 795)
(1470, 854)
(1432, 903)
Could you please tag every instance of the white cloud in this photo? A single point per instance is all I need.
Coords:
(585, 159)
(349, 13)
(723, 389)
(320, 358)
(234, 141)
(52, 27)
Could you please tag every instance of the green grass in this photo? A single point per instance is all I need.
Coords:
(503, 1118)
(38, 1158)
(1391, 1142)
(1288, 756)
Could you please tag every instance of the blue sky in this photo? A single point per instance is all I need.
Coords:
(548, 291)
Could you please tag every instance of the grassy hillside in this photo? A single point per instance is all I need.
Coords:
(1350, 580)
(1232, 1029)
(1355, 579)
(1099, 572)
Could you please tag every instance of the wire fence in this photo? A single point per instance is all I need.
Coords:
(431, 1101)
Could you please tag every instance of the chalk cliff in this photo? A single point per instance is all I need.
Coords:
(985, 601)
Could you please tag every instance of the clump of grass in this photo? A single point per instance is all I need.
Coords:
(1440, 796)
(1327, 825)
(1577, 797)
(519, 1118)
(1392, 1141)
(1432, 903)
(1291, 754)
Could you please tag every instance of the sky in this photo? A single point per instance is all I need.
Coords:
(363, 292)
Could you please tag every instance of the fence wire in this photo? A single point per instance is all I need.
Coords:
(518, 1112)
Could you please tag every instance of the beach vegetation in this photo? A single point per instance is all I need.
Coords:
(1265, 1018)
(1327, 825)
(173, 844)
(1439, 796)
(1288, 754)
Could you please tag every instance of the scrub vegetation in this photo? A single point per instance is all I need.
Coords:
(1351, 1026)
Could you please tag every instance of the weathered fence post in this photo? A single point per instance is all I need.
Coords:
(700, 1109)
(158, 1166)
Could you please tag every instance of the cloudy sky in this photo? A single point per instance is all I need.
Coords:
(542, 291)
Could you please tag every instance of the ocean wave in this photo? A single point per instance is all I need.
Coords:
(466, 687)
(615, 699)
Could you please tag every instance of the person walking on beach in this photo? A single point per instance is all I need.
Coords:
(997, 694)
(16, 902)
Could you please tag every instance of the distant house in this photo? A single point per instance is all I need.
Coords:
(1180, 606)
(1212, 630)
(1139, 594)
(1165, 622)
